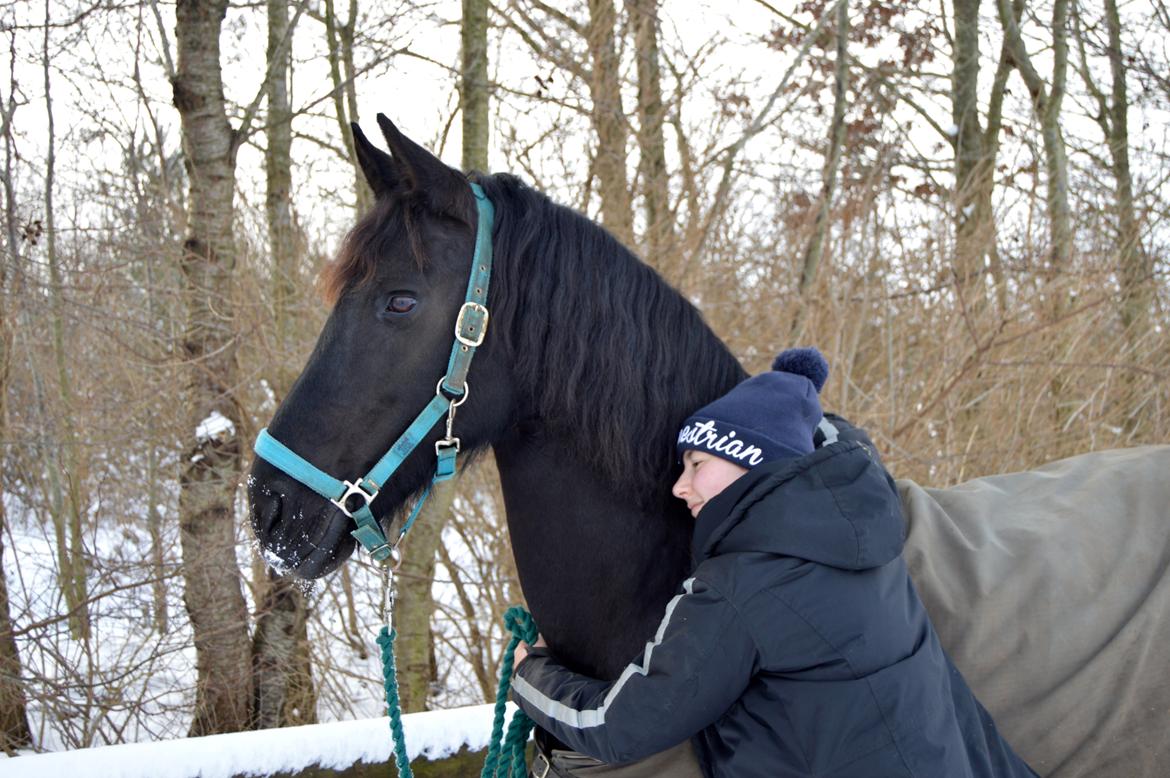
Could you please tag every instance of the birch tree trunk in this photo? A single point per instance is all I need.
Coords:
(414, 603)
(659, 237)
(473, 92)
(210, 467)
(284, 693)
(609, 122)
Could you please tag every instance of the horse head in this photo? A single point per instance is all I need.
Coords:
(398, 286)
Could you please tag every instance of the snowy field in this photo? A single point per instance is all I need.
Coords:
(133, 683)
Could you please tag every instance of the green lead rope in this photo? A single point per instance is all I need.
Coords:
(393, 706)
(504, 759)
(507, 759)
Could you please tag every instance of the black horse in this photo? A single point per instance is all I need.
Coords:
(590, 364)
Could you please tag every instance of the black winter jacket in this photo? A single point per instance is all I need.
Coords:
(799, 646)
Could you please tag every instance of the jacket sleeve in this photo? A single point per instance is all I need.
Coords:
(698, 663)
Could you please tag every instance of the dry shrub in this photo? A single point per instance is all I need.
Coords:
(1007, 372)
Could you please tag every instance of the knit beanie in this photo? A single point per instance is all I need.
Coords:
(767, 417)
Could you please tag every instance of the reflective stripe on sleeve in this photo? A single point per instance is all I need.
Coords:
(595, 717)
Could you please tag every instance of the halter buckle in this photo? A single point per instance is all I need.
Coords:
(478, 310)
(355, 488)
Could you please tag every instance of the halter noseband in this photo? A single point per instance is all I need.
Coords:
(451, 392)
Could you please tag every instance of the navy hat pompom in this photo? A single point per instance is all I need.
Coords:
(807, 362)
(767, 417)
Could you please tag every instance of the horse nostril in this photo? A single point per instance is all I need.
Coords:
(270, 513)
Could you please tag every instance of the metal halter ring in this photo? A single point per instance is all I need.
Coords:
(350, 490)
(394, 561)
(462, 398)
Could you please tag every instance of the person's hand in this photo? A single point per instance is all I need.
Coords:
(523, 648)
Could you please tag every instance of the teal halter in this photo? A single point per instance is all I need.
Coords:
(451, 392)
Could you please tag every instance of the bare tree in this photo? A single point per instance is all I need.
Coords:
(340, 39)
(473, 90)
(1134, 265)
(609, 121)
(655, 180)
(68, 500)
(278, 197)
(973, 166)
(283, 681)
(1047, 96)
(211, 466)
(814, 250)
(14, 729)
(415, 605)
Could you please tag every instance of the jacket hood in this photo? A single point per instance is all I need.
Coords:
(836, 506)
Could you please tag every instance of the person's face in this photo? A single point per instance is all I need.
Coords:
(704, 476)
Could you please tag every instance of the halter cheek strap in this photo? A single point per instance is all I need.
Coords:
(451, 392)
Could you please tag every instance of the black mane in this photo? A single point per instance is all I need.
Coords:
(573, 306)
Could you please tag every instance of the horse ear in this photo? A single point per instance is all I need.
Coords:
(443, 187)
(377, 166)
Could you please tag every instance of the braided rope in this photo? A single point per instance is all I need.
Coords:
(506, 758)
(393, 706)
(506, 755)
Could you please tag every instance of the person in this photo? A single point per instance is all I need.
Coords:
(798, 646)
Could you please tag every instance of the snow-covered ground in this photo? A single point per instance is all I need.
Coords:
(133, 682)
(430, 735)
(129, 680)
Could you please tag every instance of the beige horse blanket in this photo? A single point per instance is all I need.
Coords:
(1050, 590)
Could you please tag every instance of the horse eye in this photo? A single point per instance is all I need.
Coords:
(401, 303)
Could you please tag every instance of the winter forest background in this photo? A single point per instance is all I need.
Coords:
(963, 204)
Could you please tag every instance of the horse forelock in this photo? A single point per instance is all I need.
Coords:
(610, 354)
(393, 218)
